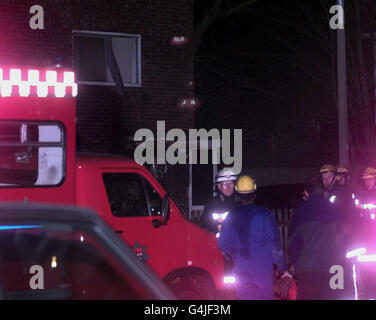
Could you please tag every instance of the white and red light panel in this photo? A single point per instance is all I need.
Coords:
(39, 83)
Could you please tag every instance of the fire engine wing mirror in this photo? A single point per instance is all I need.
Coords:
(166, 208)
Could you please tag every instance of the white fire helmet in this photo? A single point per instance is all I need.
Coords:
(226, 174)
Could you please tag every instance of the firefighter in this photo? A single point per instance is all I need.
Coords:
(366, 204)
(366, 197)
(369, 180)
(251, 238)
(315, 244)
(337, 189)
(342, 195)
(223, 203)
(344, 176)
(343, 192)
(328, 174)
(365, 236)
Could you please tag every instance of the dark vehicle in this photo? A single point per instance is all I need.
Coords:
(55, 252)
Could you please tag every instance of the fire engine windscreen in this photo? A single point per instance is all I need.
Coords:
(31, 153)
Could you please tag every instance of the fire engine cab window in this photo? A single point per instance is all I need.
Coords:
(32, 153)
(126, 194)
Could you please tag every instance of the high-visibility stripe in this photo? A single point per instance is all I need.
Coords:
(63, 88)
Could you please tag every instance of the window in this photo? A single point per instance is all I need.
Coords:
(72, 264)
(131, 195)
(89, 57)
(125, 194)
(32, 153)
(153, 198)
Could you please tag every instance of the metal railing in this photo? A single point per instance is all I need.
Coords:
(283, 217)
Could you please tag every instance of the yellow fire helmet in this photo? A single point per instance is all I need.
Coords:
(245, 184)
(327, 168)
(341, 169)
(369, 173)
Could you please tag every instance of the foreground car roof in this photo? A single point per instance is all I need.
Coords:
(41, 214)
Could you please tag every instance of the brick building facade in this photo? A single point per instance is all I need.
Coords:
(106, 121)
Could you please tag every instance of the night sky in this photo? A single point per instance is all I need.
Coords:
(270, 69)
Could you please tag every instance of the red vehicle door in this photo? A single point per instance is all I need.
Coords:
(134, 209)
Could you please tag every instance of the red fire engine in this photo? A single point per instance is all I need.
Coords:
(38, 163)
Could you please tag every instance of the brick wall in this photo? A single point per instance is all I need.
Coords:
(104, 121)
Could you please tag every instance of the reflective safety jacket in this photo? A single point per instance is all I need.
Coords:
(219, 204)
(365, 196)
(341, 196)
(251, 238)
(367, 218)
